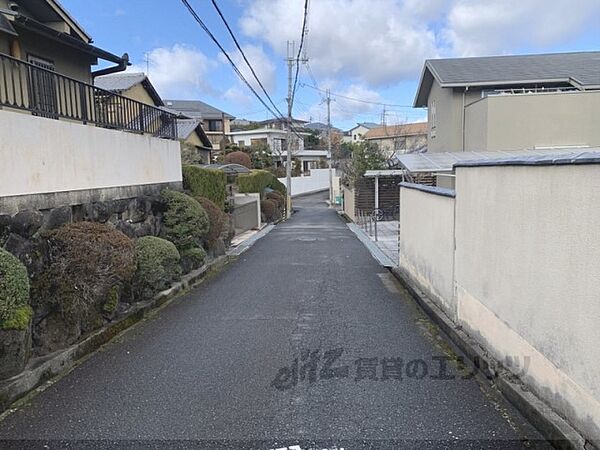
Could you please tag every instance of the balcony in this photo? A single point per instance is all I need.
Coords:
(45, 93)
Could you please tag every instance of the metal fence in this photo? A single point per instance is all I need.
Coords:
(367, 220)
(46, 93)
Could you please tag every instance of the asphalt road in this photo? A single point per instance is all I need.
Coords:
(217, 368)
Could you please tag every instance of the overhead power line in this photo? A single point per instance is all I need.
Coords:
(244, 56)
(357, 99)
(302, 37)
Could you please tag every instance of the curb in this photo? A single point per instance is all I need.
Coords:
(554, 428)
(376, 252)
(41, 372)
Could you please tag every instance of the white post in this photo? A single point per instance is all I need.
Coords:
(377, 192)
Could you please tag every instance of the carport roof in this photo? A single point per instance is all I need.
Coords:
(446, 161)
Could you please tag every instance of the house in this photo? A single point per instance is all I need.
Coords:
(136, 86)
(274, 138)
(307, 158)
(64, 140)
(403, 138)
(216, 123)
(511, 102)
(356, 134)
(196, 147)
(281, 123)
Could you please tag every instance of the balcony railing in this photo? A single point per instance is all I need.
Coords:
(46, 93)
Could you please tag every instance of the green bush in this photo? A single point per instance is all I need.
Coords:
(157, 266)
(14, 293)
(185, 222)
(194, 257)
(209, 183)
(216, 219)
(258, 180)
(269, 209)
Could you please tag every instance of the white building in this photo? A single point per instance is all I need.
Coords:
(357, 133)
(274, 138)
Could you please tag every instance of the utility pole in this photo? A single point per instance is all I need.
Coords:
(291, 60)
(331, 199)
(288, 167)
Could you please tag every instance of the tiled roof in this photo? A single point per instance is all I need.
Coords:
(409, 129)
(197, 109)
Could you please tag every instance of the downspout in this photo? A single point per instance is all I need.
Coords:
(118, 68)
(463, 117)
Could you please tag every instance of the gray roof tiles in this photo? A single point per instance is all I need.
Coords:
(197, 109)
(119, 81)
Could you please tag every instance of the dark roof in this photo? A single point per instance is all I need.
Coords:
(185, 127)
(196, 109)
(579, 69)
(281, 120)
(120, 82)
(52, 11)
(592, 156)
(6, 27)
(319, 126)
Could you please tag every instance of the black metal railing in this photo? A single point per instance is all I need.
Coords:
(46, 93)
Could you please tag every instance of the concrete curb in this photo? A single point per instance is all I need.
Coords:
(553, 427)
(377, 253)
(42, 370)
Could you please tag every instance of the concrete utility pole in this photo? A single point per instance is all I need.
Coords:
(331, 199)
(288, 167)
(291, 60)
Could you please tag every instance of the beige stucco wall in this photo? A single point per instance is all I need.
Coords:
(42, 155)
(140, 94)
(349, 203)
(426, 244)
(513, 122)
(527, 280)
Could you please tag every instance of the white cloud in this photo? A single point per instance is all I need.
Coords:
(501, 26)
(238, 96)
(344, 109)
(178, 72)
(260, 61)
(372, 41)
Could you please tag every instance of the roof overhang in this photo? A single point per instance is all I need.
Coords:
(44, 30)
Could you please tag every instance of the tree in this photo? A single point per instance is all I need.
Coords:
(261, 156)
(312, 140)
(365, 157)
(238, 157)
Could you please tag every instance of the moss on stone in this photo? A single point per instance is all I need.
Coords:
(14, 285)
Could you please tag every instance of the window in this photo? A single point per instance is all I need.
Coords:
(42, 93)
(433, 114)
(215, 125)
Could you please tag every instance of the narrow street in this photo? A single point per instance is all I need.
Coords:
(216, 368)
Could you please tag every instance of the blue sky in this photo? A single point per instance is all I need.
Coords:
(367, 49)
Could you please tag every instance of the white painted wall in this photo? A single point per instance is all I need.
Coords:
(317, 181)
(528, 280)
(40, 155)
(426, 244)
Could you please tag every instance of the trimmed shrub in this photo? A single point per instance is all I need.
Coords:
(269, 209)
(278, 186)
(192, 258)
(216, 219)
(277, 198)
(157, 266)
(185, 222)
(14, 293)
(88, 265)
(238, 158)
(209, 183)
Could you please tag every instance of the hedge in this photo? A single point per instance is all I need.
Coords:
(14, 293)
(216, 219)
(209, 183)
(240, 158)
(259, 180)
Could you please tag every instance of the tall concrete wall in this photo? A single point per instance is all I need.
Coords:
(426, 243)
(45, 156)
(349, 203)
(525, 245)
(527, 282)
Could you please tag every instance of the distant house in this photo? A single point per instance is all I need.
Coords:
(404, 138)
(320, 128)
(281, 124)
(136, 86)
(275, 138)
(356, 133)
(511, 102)
(196, 147)
(216, 123)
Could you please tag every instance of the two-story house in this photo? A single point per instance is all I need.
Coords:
(357, 133)
(216, 123)
(404, 138)
(511, 102)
